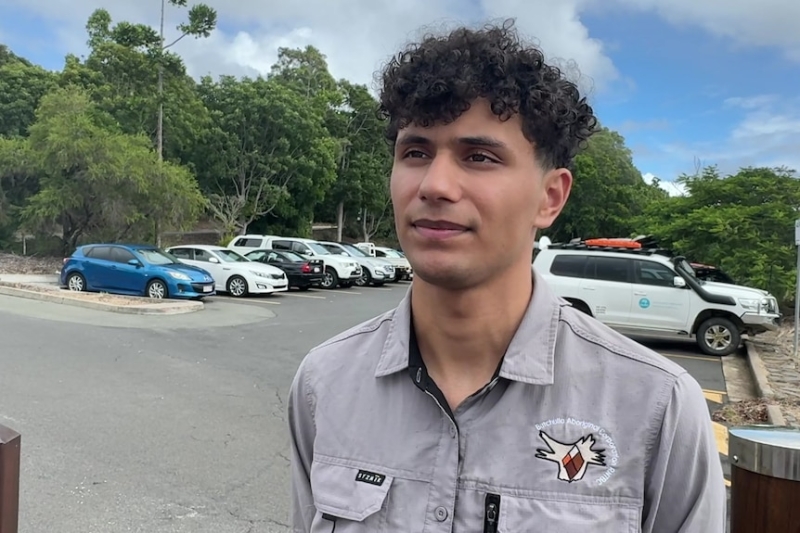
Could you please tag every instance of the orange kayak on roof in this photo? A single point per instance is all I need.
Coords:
(614, 243)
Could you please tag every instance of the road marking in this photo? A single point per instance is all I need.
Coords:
(342, 292)
(721, 436)
(698, 358)
(246, 300)
(304, 296)
(714, 396)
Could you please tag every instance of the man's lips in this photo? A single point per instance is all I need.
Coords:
(438, 229)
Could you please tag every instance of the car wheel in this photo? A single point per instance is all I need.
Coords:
(157, 290)
(237, 286)
(330, 280)
(76, 282)
(718, 336)
(365, 278)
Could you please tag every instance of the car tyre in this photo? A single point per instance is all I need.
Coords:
(237, 286)
(330, 280)
(157, 290)
(718, 336)
(365, 279)
(76, 282)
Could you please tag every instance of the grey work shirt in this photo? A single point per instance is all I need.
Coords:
(581, 430)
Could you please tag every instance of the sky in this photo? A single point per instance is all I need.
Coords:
(688, 83)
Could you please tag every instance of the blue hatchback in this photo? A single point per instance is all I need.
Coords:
(135, 270)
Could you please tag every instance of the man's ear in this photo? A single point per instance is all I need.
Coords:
(555, 189)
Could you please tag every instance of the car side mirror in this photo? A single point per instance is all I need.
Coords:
(213, 260)
(679, 282)
(135, 262)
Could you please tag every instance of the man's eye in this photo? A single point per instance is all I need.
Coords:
(481, 158)
(414, 154)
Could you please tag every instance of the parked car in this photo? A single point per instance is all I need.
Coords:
(302, 272)
(232, 272)
(374, 270)
(402, 268)
(648, 291)
(339, 271)
(134, 270)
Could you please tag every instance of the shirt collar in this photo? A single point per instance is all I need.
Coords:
(529, 358)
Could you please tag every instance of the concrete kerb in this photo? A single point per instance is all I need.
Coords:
(171, 308)
(760, 376)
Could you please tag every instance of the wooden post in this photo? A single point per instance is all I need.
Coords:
(765, 479)
(9, 479)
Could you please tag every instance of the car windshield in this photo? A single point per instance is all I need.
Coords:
(392, 253)
(229, 256)
(157, 257)
(352, 250)
(686, 268)
(318, 248)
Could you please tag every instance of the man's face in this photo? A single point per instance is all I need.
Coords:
(468, 197)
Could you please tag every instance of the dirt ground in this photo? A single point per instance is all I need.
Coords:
(18, 264)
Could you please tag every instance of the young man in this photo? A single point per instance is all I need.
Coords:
(483, 402)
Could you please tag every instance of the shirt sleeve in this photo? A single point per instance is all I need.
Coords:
(302, 431)
(684, 487)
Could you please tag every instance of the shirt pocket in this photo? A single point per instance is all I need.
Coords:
(571, 513)
(351, 497)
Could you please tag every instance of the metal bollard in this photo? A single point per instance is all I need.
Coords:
(9, 479)
(765, 479)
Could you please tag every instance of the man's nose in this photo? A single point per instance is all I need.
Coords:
(442, 180)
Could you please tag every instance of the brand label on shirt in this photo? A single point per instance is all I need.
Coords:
(370, 477)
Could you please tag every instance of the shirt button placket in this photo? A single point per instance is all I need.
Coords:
(446, 481)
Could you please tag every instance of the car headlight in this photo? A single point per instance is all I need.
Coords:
(259, 274)
(751, 304)
(180, 275)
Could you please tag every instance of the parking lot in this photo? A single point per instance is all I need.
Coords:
(176, 423)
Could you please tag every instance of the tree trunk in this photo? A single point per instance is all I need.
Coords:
(364, 225)
(339, 221)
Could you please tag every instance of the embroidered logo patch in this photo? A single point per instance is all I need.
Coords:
(592, 448)
(370, 477)
(572, 458)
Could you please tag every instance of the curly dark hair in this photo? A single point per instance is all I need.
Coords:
(437, 79)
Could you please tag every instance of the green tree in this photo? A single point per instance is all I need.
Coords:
(607, 194)
(97, 181)
(266, 151)
(743, 223)
(22, 86)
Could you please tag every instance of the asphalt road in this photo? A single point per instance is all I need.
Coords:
(173, 424)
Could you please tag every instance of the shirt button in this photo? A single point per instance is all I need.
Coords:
(441, 514)
(453, 431)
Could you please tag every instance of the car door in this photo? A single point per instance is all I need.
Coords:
(127, 277)
(97, 270)
(210, 262)
(657, 302)
(608, 290)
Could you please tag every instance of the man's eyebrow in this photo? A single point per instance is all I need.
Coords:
(480, 141)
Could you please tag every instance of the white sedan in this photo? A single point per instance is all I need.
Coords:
(232, 272)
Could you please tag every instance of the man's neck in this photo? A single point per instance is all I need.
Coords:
(463, 335)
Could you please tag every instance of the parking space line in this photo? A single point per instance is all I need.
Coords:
(713, 396)
(696, 357)
(311, 296)
(246, 300)
(342, 292)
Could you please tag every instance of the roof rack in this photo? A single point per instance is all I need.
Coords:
(629, 246)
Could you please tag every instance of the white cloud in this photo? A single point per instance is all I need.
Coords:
(672, 188)
(357, 36)
(747, 22)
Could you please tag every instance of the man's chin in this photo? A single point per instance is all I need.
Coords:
(444, 275)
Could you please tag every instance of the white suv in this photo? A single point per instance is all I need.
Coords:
(648, 292)
(339, 270)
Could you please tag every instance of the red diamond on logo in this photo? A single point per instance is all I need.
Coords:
(573, 462)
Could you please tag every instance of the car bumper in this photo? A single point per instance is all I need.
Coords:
(758, 323)
(262, 286)
(352, 275)
(305, 280)
(190, 290)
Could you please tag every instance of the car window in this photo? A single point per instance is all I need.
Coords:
(155, 256)
(652, 273)
(100, 252)
(568, 265)
(202, 255)
(256, 256)
(248, 242)
(291, 256)
(121, 255)
(181, 253)
(229, 256)
(353, 251)
(614, 269)
(282, 245)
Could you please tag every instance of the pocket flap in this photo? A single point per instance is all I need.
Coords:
(348, 492)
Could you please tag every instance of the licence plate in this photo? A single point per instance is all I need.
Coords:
(316, 269)
(208, 288)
